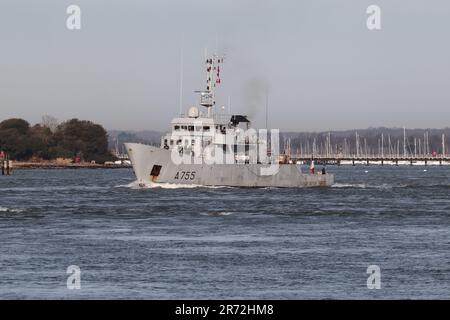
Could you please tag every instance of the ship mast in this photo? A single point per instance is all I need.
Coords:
(208, 97)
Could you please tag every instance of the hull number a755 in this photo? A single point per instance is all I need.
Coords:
(186, 175)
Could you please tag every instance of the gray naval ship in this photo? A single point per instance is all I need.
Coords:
(209, 149)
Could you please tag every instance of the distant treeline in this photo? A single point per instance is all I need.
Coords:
(371, 140)
(49, 140)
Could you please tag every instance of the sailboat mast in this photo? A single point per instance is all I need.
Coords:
(404, 142)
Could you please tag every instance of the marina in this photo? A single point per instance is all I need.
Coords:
(333, 151)
(373, 160)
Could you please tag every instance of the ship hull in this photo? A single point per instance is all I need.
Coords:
(154, 165)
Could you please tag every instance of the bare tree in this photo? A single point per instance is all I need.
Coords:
(49, 122)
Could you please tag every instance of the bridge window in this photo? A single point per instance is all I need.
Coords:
(206, 128)
(191, 128)
(176, 128)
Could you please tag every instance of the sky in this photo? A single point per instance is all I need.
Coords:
(320, 66)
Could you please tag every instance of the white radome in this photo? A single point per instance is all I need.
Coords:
(193, 112)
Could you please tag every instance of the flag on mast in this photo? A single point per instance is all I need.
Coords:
(218, 75)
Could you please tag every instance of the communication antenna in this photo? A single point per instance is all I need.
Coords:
(181, 73)
(267, 111)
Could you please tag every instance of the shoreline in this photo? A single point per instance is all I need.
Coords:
(18, 165)
(25, 165)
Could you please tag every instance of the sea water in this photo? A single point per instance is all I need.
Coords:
(166, 242)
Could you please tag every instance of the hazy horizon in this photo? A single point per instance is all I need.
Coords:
(323, 69)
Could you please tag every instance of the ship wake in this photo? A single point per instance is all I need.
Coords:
(366, 186)
(155, 185)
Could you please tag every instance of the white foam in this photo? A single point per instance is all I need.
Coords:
(131, 185)
(366, 186)
(348, 185)
(154, 185)
(171, 186)
(9, 210)
(220, 213)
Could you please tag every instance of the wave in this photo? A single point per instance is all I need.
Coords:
(216, 214)
(366, 186)
(387, 186)
(10, 210)
(348, 185)
(56, 188)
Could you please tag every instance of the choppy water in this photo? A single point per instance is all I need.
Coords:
(225, 242)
